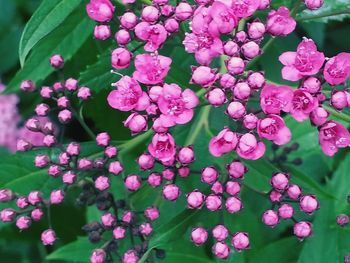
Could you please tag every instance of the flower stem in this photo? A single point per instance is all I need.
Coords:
(79, 116)
(337, 114)
(325, 14)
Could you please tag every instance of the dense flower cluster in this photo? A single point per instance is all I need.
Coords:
(213, 31)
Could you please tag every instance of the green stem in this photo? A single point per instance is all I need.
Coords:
(337, 114)
(80, 118)
(325, 14)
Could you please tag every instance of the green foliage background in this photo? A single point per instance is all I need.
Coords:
(32, 30)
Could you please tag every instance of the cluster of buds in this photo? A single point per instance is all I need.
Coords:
(122, 224)
(282, 196)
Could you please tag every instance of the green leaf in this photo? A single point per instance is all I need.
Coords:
(77, 251)
(49, 15)
(65, 40)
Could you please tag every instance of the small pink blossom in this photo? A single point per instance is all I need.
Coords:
(100, 10)
(155, 35)
(274, 129)
(151, 68)
(337, 69)
(176, 105)
(226, 141)
(223, 19)
(332, 136)
(128, 95)
(280, 23)
(306, 61)
(162, 147)
(303, 103)
(249, 148)
(244, 8)
(274, 99)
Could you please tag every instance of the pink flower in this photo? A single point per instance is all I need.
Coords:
(176, 105)
(204, 76)
(226, 141)
(280, 23)
(244, 8)
(162, 147)
(151, 69)
(274, 99)
(306, 61)
(224, 20)
(274, 129)
(303, 104)
(155, 35)
(332, 136)
(337, 69)
(100, 10)
(249, 148)
(128, 96)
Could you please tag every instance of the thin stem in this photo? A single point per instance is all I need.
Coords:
(325, 14)
(81, 120)
(337, 114)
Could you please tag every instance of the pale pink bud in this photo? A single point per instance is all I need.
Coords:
(127, 217)
(319, 116)
(73, 149)
(27, 86)
(313, 4)
(84, 164)
(209, 175)
(132, 182)
(204, 76)
(7, 215)
(150, 14)
(227, 81)
(154, 179)
(49, 140)
(69, 178)
(64, 158)
(233, 205)
(168, 174)
(111, 151)
(58, 87)
(145, 229)
(37, 214)
(84, 93)
(302, 229)
(22, 202)
(294, 192)
(119, 232)
(233, 188)
(216, 97)
(151, 213)
(183, 11)
(270, 218)
(250, 50)
(103, 139)
(65, 116)
(231, 48)
(240, 241)
(242, 91)
(128, 20)
(184, 171)
(186, 155)
(199, 236)
(136, 123)
(146, 161)
(280, 181)
(98, 256)
(256, 30)
(221, 250)
(220, 232)
(115, 168)
(108, 220)
(171, 192)
(167, 10)
(312, 85)
(57, 61)
(256, 80)
(33, 125)
(121, 58)
(250, 121)
(122, 37)
(102, 183)
(48, 237)
(236, 110)
(56, 197)
(213, 202)
(34, 197)
(264, 4)
(275, 196)
(171, 25)
(54, 170)
(241, 36)
(102, 32)
(42, 109)
(286, 211)
(41, 160)
(71, 84)
(309, 204)
(130, 256)
(217, 188)
(236, 65)
(195, 199)
(339, 99)
(46, 92)
(23, 222)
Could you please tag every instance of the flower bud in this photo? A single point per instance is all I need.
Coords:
(136, 123)
(167, 10)
(130, 256)
(227, 81)
(127, 217)
(103, 139)
(313, 4)
(183, 11)
(236, 110)
(213, 202)
(48, 237)
(58, 87)
(121, 58)
(98, 256)
(49, 140)
(23, 222)
(209, 175)
(33, 125)
(41, 160)
(119, 232)
(122, 37)
(339, 99)
(233, 188)
(46, 92)
(221, 250)
(146, 161)
(236, 66)
(241, 36)
(286, 211)
(195, 199)
(312, 85)
(240, 241)
(231, 48)
(27, 86)
(256, 30)
(34, 197)
(302, 229)
(7, 215)
(294, 192)
(220, 232)
(275, 196)
(54, 170)
(256, 80)
(171, 192)
(111, 151)
(42, 109)
(115, 168)
(264, 4)
(319, 116)
(186, 155)
(237, 169)
(65, 116)
(184, 171)
(171, 25)
(279, 181)
(203, 76)
(168, 174)
(154, 179)
(233, 205)
(21, 202)
(71, 84)
(84, 93)
(132, 182)
(128, 20)
(309, 204)
(102, 183)
(217, 188)
(342, 220)
(108, 220)
(270, 218)
(216, 97)
(150, 14)
(242, 91)
(250, 121)
(199, 236)
(73, 149)
(151, 213)
(69, 178)
(37, 214)
(250, 50)
(84, 164)
(57, 61)
(102, 32)
(145, 229)
(56, 197)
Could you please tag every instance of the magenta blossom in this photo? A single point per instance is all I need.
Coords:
(155, 35)
(274, 129)
(249, 148)
(274, 99)
(176, 105)
(280, 23)
(100, 10)
(303, 103)
(337, 69)
(333, 135)
(151, 68)
(162, 147)
(128, 96)
(244, 8)
(224, 20)
(306, 61)
(226, 141)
